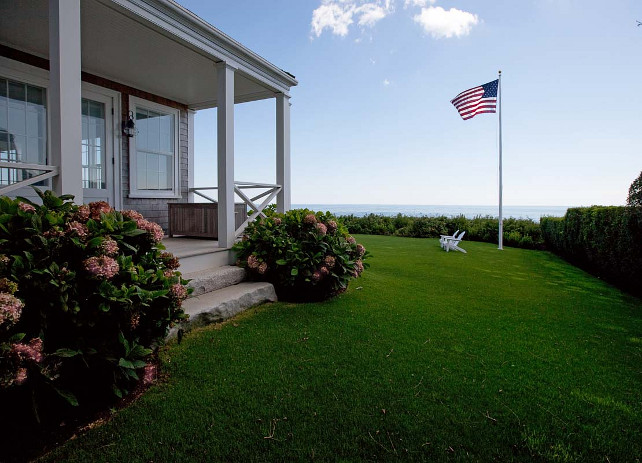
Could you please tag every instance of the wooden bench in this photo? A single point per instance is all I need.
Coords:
(200, 219)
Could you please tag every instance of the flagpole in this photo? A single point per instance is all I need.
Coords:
(501, 219)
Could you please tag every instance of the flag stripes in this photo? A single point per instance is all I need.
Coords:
(477, 100)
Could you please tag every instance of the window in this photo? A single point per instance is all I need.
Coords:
(23, 128)
(93, 144)
(153, 153)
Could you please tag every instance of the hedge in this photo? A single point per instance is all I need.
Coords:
(522, 233)
(605, 241)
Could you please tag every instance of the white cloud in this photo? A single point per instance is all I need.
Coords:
(333, 16)
(370, 14)
(440, 23)
(338, 15)
(386, 82)
(422, 3)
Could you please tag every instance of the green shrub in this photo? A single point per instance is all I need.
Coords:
(86, 293)
(606, 241)
(523, 233)
(306, 255)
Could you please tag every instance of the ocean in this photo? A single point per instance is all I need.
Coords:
(518, 212)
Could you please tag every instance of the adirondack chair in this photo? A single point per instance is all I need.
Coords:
(454, 242)
(443, 238)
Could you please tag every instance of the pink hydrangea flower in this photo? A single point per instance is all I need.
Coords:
(178, 292)
(26, 207)
(316, 276)
(332, 226)
(31, 351)
(99, 207)
(252, 261)
(10, 308)
(324, 271)
(101, 267)
(168, 273)
(358, 268)
(77, 228)
(322, 229)
(21, 376)
(277, 221)
(132, 215)
(83, 213)
(361, 250)
(149, 375)
(329, 261)
(350, 239)
(53, 233)
(109, 247)
(262, 268)
(169, 260)
(134, 321)
(310, 219)
(154, 231)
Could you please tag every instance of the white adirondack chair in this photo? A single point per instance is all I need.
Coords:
(443, 238)
(453, 243)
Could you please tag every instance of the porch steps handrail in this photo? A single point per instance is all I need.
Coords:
(48, 172)
(272, 190)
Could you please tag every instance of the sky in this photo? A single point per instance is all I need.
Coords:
(371, 117)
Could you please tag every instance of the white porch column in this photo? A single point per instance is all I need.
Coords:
(190, 155)
(225, 141)
(64, 96)
(283, 177)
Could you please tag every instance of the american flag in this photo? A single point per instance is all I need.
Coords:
(477, 100)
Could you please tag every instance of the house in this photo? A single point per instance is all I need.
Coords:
(97, 100)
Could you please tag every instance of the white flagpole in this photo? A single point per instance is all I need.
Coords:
(501, 219)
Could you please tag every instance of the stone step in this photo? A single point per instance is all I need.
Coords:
(217, 306)
(214, 279)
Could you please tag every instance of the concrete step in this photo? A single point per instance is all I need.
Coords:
(198, 254)
(214, 279)
(217, 306)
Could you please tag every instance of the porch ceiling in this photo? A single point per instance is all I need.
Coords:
(122, 46)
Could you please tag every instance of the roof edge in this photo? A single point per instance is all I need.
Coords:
(236, 47)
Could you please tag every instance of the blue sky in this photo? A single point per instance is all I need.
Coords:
(372, 120)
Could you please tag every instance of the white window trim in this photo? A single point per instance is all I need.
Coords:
(21, 72)
(134, 192)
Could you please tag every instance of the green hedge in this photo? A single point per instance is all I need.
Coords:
(522, 233)
(605, 241)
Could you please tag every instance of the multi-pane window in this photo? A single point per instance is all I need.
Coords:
(155, 149)
(93, 144)
(23, 128)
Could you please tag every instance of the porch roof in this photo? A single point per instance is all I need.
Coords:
(153, 45)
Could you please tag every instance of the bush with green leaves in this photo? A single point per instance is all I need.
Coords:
(604, 240)
(522, 233)
(306, 255)
(86, 294)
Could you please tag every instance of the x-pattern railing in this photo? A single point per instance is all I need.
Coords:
(271, 190)
(47, 172)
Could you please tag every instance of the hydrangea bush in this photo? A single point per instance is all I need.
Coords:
(306, 255)
(86, 294)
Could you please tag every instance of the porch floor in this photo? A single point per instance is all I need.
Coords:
(187, 247)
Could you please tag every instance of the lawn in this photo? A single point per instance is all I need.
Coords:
(489, 355)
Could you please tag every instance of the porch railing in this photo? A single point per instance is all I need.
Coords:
(267, 195)
(9, 175)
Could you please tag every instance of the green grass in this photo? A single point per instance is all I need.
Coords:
(491, 355)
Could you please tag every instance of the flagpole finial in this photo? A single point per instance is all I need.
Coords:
(500, 72)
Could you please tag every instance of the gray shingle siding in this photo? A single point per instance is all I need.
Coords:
(155, 209)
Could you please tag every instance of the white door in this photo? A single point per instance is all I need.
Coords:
(98, 143)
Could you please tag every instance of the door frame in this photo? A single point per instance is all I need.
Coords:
(112, 134)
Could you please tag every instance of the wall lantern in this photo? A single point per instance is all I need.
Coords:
(129, 127)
